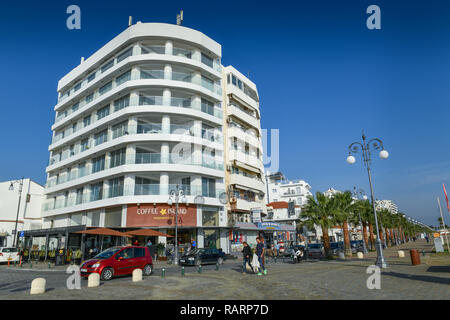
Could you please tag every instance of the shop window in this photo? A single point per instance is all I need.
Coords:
(113, 217)
(210, 218)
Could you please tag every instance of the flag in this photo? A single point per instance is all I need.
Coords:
(446, 198)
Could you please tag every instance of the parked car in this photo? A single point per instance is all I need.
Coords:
(336, 247)
(314, 250)
(198, 257)
(357, 246)
(9, 254)
(118, 261)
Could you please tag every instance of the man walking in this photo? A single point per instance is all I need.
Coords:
(260, 253)
(247, 253)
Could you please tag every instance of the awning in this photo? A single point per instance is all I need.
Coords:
(246, 166)
(148, 233)
(105, 232)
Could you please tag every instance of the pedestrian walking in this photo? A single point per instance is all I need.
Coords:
(260, 254)
(277, 248)
(426, 238)
(247, 255)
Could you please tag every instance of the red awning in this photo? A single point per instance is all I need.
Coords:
(105, 232)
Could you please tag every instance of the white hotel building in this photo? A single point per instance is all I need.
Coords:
(143, 115)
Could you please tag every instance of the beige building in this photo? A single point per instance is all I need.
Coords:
(243, 154)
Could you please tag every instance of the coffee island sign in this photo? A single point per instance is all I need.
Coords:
(161, 215)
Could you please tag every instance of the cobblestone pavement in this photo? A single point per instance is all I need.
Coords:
(311, 279)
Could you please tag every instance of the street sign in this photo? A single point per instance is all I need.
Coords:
(21, 234)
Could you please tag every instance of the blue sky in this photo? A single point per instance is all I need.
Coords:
(322, 76)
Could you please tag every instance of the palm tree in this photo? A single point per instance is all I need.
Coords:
(317, 212)
(342, 208)
(364, 208)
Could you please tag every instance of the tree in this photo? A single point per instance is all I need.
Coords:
(364, 208)
(342, 209)
(317, 213)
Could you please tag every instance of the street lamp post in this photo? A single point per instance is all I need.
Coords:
(360, 193)
(11, 188)
(365, 148)
(176, 196)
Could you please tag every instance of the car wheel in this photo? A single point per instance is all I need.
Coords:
(107, 274)
(148, 270)
(198, 263)
(220, 260)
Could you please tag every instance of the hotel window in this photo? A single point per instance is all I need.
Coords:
(75, 106)
(115, 187)
(82, 170)
(228, 78)
(97, 191)
(124, 55)
(105, 88)
(119, 129)
(101, 137)
(84, 145)
(239, 84)
(208, 187)
(86, 121)
(103, 112)
(79, 198)
(234, 80)
(145, 187)
(89, 98)
(98, 164)
(207, 83)
(117, 158)
(122, 103)
(91, 77)
(207, 107)
(123, 78)
(107, 66)
(77, 86)
(207, 60)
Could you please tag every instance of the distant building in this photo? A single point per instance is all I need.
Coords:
(280, 189)
(29, 217)
(386, 204)
(331, 192)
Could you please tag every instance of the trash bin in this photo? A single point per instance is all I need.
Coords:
(415, 257)
(59, 257)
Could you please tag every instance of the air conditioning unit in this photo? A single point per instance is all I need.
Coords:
(228, 167)
(229, 120)
(233, 200)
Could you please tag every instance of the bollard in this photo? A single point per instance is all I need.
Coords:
(360, 255)
(163, 273)
(415, 257)
(31, 264)
(37, 286)
(8, 262)
(200, 269)
(401, 253)
(49, 265)
(341, 255)
(93, 280)
(182, 271)
(137, 275)
(217, 266)
(423, 252)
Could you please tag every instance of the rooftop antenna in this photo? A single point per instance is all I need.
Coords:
(130, 21)
(180, 18)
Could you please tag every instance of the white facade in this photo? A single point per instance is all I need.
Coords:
(140, 116)
(29, 216)
(244, 173)
(386, 204)
(281, 189)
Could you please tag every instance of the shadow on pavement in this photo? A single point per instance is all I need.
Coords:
(439, 269)
(419, 278)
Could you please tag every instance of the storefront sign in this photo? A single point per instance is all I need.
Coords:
(268, 225)
(161, 215)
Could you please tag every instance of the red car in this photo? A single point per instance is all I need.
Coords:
(118, 261)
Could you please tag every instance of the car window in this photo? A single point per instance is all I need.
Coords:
(126, 253)
(9, 250)
(139, 252)
(107, 253)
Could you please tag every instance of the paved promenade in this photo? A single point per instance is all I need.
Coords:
(311, 279)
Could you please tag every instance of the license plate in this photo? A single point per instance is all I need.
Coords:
(182, 260)
(83, 270)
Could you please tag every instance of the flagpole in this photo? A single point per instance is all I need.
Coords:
(443, 224)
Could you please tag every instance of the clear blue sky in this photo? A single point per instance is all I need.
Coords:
(322, 77)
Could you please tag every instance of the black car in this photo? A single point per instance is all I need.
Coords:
(336, 247)
(357, 246)
(198, 257)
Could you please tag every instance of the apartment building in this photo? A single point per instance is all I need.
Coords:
(279, 188)
(140, 117)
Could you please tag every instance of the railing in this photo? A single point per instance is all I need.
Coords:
(130, 190)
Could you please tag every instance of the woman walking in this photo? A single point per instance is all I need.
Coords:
(247, 253)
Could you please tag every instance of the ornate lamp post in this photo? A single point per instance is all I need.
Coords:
(11, 188)
(365, 148)
(360, 194)
(176, 196)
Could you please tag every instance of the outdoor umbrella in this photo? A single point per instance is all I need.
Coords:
(104, 232)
